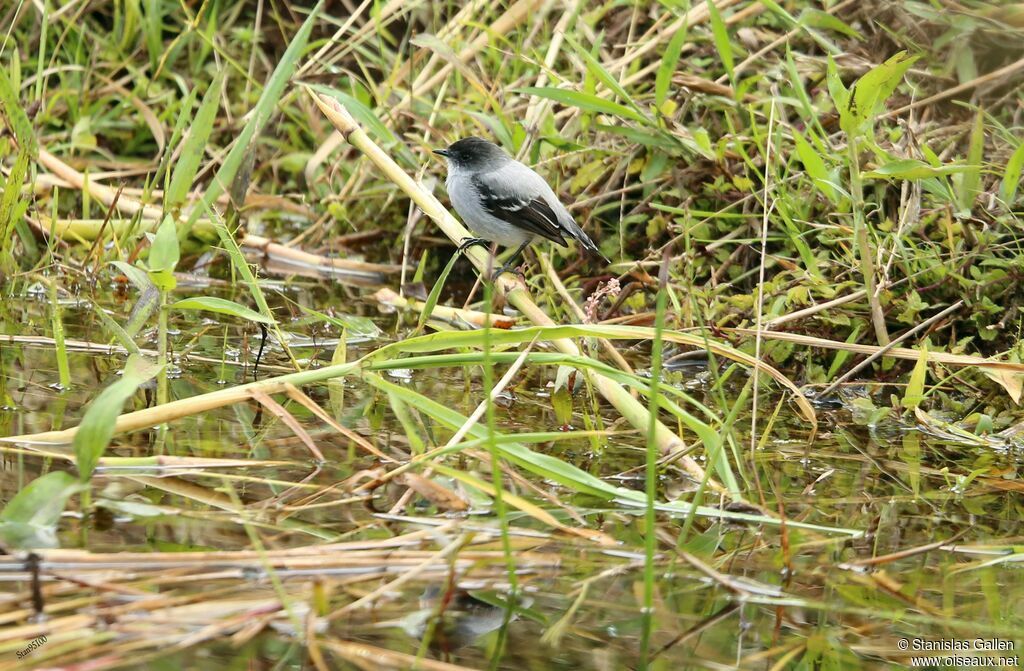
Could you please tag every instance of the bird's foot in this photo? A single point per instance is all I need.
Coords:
(466, 243)
(509, 267)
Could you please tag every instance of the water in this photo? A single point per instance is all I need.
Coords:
(728, 593)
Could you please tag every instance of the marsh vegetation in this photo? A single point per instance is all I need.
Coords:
(781, 429)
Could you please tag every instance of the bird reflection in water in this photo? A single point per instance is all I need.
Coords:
(453, 618)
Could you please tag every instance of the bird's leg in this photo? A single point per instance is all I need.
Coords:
(511, 260)
(466, 243)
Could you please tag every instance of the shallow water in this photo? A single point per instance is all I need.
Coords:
(728, 593)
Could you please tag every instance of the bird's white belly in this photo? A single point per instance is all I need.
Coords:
(483, 223)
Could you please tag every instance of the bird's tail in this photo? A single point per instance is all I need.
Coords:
(585, 241)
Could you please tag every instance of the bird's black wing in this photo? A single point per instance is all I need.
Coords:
(531, 215)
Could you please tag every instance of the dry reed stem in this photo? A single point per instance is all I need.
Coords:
(815, 309)
(896, 352)
(90, 229)
(443, 555)
(387, 296)
(365, 656)
(1008, 374)
(160, 414)
(74, 345)
(888, 346)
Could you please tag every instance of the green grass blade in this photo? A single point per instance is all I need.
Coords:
(97, 427)
(115, 329)
(1011, 177)
(667, 68)
(30, 519)
(12, 210)
(14, 113)
(220, 306)
(815, 166)
(435, 293)
(970, 180)
(651, 454)
(722, 43)
(42, 500)
(584, 101)
(195, 143)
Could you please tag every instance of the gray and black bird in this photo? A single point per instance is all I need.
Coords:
(505, 202)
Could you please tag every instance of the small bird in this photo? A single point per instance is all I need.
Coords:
(503, 201)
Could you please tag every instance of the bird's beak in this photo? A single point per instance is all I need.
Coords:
(441, 152)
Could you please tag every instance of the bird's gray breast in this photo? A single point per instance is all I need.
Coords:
(467, 201)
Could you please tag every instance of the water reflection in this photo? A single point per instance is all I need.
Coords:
(451, 618)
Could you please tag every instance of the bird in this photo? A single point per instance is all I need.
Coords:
(504, 201)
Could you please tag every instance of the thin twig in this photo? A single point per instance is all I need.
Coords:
(888, 346)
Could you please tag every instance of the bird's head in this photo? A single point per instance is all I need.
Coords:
(471, 152)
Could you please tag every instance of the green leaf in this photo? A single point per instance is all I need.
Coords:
(815, 166)
(243, 269)
(584, 101)
(222, 306)
(1011, 177)
(910, 168)
(154, 31)
(970, 183)
(164, 252)
(30, 518)
(115, 329)
(42, 500)
(722, 43)
(12, 206)
(82, 136)
(135, 275)
(97, 427)
(667, 67)
(195, 143)
(435, 293)
(15, 114)
(837, 91)
(561, 401)
(815, 18)
(148, 303)
(872, 90)
(914, 393)
(409, 421)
